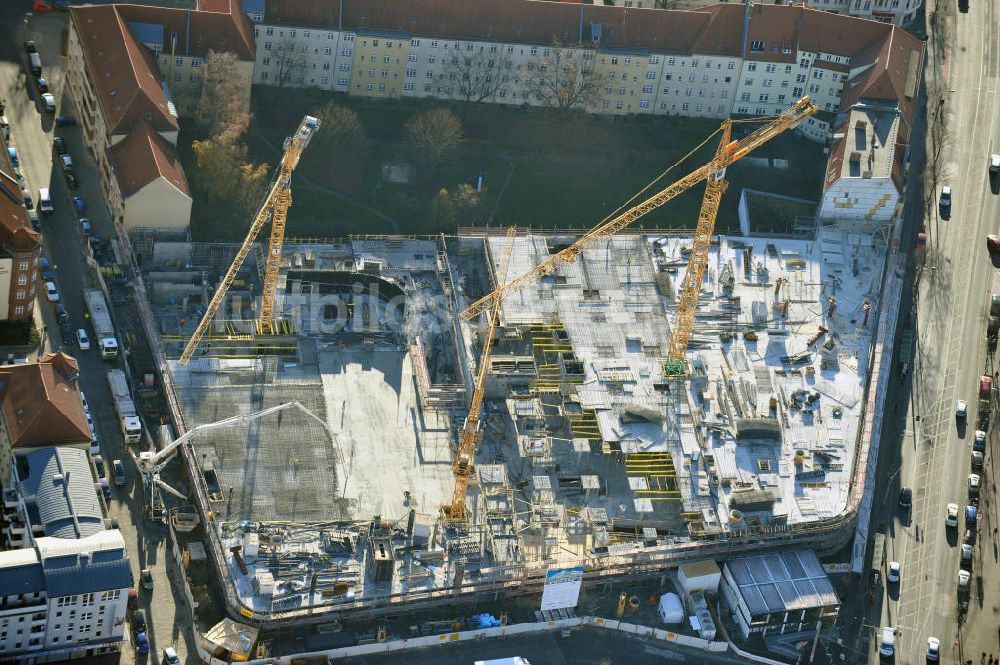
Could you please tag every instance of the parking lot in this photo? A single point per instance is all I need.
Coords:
(33, 130)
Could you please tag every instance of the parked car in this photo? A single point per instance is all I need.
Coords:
(67, 333)
(933, 649)
(12, 154)
(26, 198)
(51, 291)
(977, 460)
(170, 657)
(80, 204)
(49, 100)
(45, 269)
(894, 570)
(979, 442)
(59, 145)
(29, 46)
(147, 579)
(994, 165)
(141, 643)
(99, 466)
(973, 486)
(133, 599)
(139, 621)
(961, 409)
(119, 470)
(62, 314)
(905, 497)
(106, 489)
(67, 162)
(85, 225)
(945, 198)
(42, 84)
(5, 126)
(82, 340)
(966, 561)
(65, 121)
(71, 180)
(951, 517)
(41, 7)
(970, 516)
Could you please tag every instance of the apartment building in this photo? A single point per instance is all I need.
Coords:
(20, 248)
(897, 12)
(715, 62)
(63, 598)
(40, 407)
(135, 69)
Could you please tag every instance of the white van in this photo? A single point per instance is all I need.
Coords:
(44, 200)
(887, 647)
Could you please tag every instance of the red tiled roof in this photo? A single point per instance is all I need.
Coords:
(15, 231)
(217, 25)
(40, 402)
(143, 156)
(123, 72)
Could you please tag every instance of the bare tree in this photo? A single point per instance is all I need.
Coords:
(221, 101)
(290, 62)
(433, 137)
(473, 76)
(565, 78)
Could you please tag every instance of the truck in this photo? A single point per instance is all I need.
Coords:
(100, 319)
(128, 417)
(985, 398)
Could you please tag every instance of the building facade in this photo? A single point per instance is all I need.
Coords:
(63, 598)
(20, 249)
(715, 62)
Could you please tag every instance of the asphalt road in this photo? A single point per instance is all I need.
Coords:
(931, 454)
(31, 132)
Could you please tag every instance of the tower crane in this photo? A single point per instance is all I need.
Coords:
(274, 209)
(713, 174)
(151, 464)
(470, 435)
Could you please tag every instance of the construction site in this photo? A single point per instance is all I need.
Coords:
(425, 420)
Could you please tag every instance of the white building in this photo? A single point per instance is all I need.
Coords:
(63, 597)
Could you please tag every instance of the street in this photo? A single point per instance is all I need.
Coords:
(63, 244)
(926, 447)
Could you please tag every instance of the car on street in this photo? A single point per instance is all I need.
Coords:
(67, 332)
(966, 561)
(971, 513)
(41, 7)
(119, 470)
(951, 516)
(33, 218)
(45, 200)
(71, 180)
(82, 340)
(977, 460)
(961, 409)
(26, 198)
(42, 84)
(80, 204)
(905, 497)
(29, 46)
(994, 164)
(933, 649)
(979, 441)
(62, 314)
(45, 268)
(133, 599)
(99, 466)
(49, 100)
(83, 400)
(894, 570)
(887, 645)
(147, 579)
(12, 154)
(51, 292)
(59, 145)
(65, 121)
(85, 226)
(945, 200)
(973, 485)
(5, 126)
(141, 643)
(67, 162)
(106, 489)
(138, 621)
(170, 657)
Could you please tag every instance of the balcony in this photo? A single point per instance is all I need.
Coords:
(10, 498)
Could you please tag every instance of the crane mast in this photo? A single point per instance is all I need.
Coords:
(470, 436)
(273, 209)
(727, 155)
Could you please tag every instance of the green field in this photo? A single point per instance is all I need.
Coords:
(564, 171)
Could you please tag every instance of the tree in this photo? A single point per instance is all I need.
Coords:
(565, 79)
(289, 61)
(474, 76)
(443, 215)
(341, 130)
(221, 101)
(433, 137)
(223, 176)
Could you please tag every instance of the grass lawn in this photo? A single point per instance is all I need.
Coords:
(568, 171)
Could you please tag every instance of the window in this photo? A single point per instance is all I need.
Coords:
(384, 74)
(745, 97)
(757, 45)
(193, 78)
(752, 67)
(654, 59)
(817, 74)
(23, 265)
(533, 51)
(386, 58)
(263, 76)
(20, 295)
(762, 98)
(291, 33)
(427, 87)
(760, 110)
(800, 78)
(196, 62)
(671, 61)
(341, 81)
(704, 79)
(784, 84)
(685, 107)
(267, 46)
(644, 103)
(346, 52)
(813, 89)
(407, 86)
(414, 42)
(328, 51)
(381, 87)
(621, 90)
(804, 63)
(22, 280)
(371, 73)
(411, 73)
(770, 68)
(17, 311)
(724, 94)
(748, 81)
(348, 38)
(606, 104)
(788, 69)
(731, 65)
(614, 61)
(177, 76)
(797, 92)
(768, 83)
(371, 58)
(432, 59)
(412, 57)
(650, 76)
(266, 62)
(344, 67)
(647, 89)
(369, 87)
(430, 75)
(690, 78)
(729, 79)
(179, 62)
(87, 599)
(781, 98)
(269, 32)
(619, 105)
(324, 80)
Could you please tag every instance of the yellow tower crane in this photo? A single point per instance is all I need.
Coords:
(274, 209)
(470, 435)
(713, 173)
